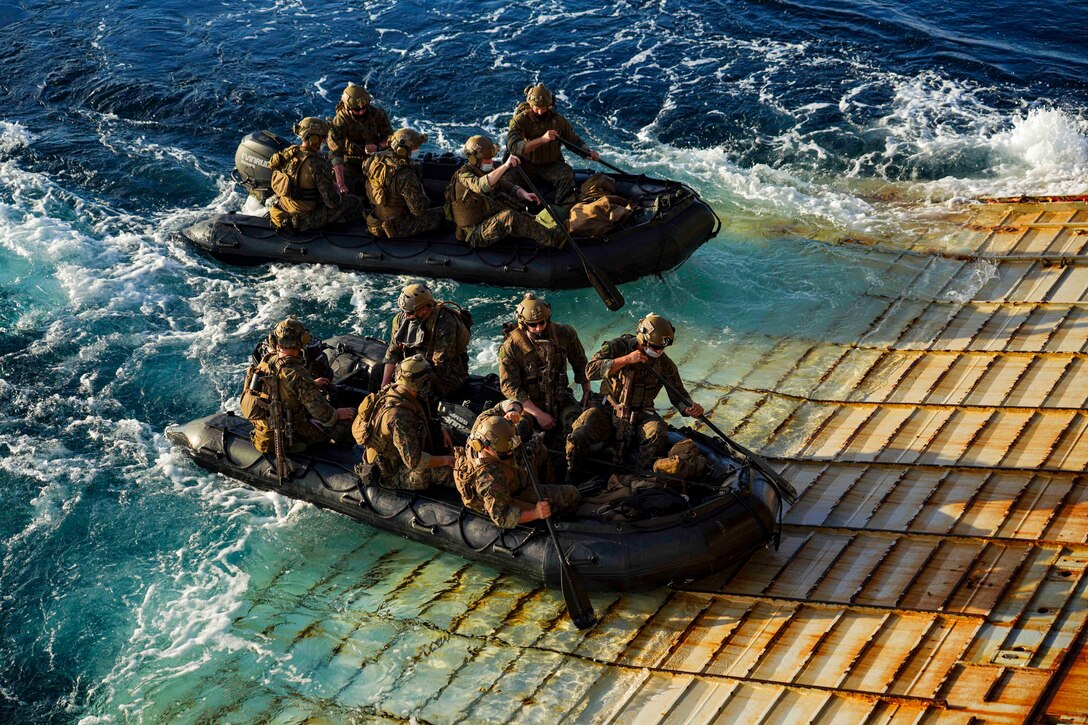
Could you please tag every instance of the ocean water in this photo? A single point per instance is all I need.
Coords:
(136, 587)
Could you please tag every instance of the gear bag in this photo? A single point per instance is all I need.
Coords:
(362, 428)
(256, 400)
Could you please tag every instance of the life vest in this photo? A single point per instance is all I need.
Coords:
(287, 166)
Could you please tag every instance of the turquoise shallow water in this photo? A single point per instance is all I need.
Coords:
(133, 586)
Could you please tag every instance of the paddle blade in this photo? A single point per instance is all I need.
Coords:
(579, 607)
(612, 297)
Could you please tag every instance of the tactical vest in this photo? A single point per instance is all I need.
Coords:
(295, 413)
(295, 197)
(380, 171)
(543, 374)
(352, 136)
(467, 207)
(467, 466)
(632, 386)
(380, 448)
(533, 126)
(411, 344)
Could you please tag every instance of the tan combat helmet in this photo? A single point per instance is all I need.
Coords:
(415, 296)
(533, 309)
(311, 126)
(655, 331)
(355, 98)
(539, 96)
(414, 373)
(479, 148)
(496, 433)
(404, 141)
(291, 333)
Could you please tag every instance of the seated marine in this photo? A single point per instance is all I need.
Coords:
(307, 197)
(533, 362)
(395, 189)
(492, 479)
(436, 330)
(397, 430)
(358, 129)
(534, 136)
(313, 357)
(628, 415)
(307, 416)
(483, 203)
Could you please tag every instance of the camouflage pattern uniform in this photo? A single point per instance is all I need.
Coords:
(401, 436)
(545, 161)
(490, 486)
(484, 215)
(315, 201)
(536, 369)
(348, 139)
(401, 206)
(310, 417)
(442, 338)
(632, 388)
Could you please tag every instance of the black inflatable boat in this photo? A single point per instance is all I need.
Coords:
(670, 223)
(731, 513)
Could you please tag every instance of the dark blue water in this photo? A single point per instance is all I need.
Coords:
(135, 587)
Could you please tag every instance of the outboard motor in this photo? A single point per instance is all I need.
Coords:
(251, 163)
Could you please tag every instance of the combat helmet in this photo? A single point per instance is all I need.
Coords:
(539, 96)
(478, 148)
(311, 126)
(655, 331)
(291, 333)
(533, 309)
(496, 433)
(413, 297)
(355, 98)
(414, 373)
(404, 141)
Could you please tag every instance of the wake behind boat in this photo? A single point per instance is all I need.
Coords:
(670, 222)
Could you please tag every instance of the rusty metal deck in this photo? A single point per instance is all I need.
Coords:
(932, 570)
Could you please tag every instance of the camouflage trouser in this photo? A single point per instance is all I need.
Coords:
(351, 209)
(509, 223)
(563, 499)
(558, 173)
(303, 436)
(408, 480)
(407, 226)
(597, 425)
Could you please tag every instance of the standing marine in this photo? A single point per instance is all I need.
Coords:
(628, 416)
(533, 362)
(358, 129)
(394, 186)
(534, 136)
(492, 479)
(484, 204)
(437, 330)
(282, 398)
(307, 197)
(398, 432)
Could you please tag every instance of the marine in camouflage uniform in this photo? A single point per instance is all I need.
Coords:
(629, 389)
(534, 136)
(358, 123)
(395, 189)
(400, 437)
(491, 479)
(484, 211)
(307, 196)
(533, 363)
(309, 416)
(434, 330)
